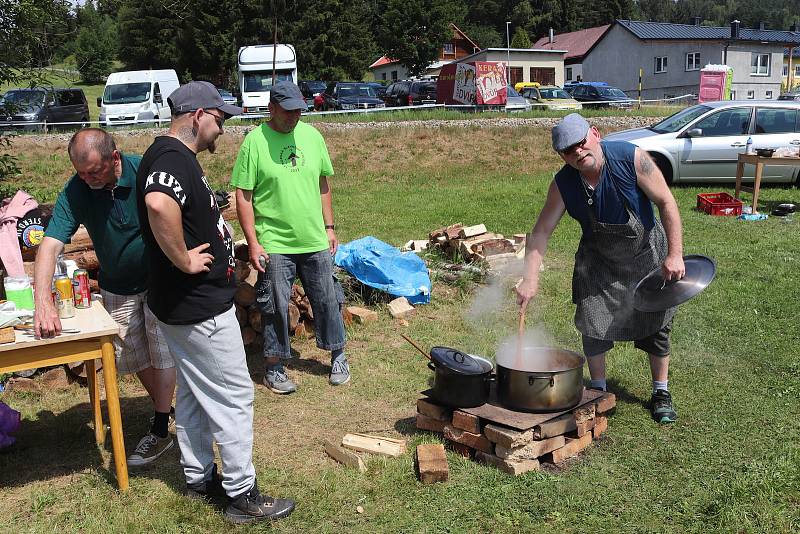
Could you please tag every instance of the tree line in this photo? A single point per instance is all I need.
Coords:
(334, 39)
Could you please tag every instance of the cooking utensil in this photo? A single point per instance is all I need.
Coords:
(416, 346)
(765, 152)
(653, 293)
(461, 380)
(548, 380)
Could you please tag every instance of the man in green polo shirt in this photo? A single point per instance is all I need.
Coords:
(102, 197)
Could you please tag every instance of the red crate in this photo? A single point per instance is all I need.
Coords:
(719, 204)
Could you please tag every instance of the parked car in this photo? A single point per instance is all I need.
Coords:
(791, 95)
(702, 143)
(227, 97)
(569, 87)
(380, 89)
(350, 95)
(514, 101)
(410, 93)
(550, 97)
(310, 89)
(521, 86)
(599, 96)
(40, 108)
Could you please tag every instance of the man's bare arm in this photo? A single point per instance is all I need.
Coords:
(46, 322)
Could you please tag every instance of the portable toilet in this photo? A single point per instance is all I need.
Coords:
(715, 83)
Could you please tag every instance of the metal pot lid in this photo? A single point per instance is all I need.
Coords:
(459, 362)
(653, 294)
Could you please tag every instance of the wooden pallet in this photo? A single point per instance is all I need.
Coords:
(518, 442)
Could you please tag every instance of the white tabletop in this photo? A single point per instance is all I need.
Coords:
(91, 322)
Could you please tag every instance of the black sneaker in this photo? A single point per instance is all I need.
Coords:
(208, 489)
(661, 407)
(253, 506)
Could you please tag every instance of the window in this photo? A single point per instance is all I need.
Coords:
(69, 98)
(775, 120)
(759, 65)
(769, 95)
(797, 70)
(751, 95)
(733, 94)
(732, 121)
(786, 70)
(569, 73)
(661, 64)
(449, 48)
(394, 75)
(693, 61)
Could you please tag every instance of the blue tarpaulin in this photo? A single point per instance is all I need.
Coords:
(382, 266)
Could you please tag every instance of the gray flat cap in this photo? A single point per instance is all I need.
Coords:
(288, 96)
(195, 95)
(571, 130)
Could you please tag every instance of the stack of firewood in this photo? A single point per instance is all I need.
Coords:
(80, 249)
(476, 244)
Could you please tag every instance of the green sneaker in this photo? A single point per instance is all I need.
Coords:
(661, 407)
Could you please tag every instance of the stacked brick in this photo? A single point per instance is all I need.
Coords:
(554, 441)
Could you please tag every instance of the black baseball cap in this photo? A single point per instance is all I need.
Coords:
(195, 95)
(288, 96)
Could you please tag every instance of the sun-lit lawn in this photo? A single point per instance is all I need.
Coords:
(730, 464)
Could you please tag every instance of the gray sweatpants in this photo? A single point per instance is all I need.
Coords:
(214, 400)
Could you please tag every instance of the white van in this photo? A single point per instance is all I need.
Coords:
(255, 73)
(137, 96)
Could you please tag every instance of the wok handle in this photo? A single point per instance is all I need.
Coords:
(549, 377)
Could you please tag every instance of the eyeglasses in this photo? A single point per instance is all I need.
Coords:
(220, 120)
(572, 148)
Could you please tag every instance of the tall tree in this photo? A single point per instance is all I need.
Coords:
(96, 45)
(412, 31)
(148, 33)
(520, 39)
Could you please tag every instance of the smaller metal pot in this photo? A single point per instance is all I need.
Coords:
(460, 380)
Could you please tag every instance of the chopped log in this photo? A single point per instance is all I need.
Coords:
(304, 305)
(431, 463)
(374, 444)
(492, 247)
(294, 316)
(347, 317)
(299, 290)
(300, 329)
(241, 270)
(79, 242)
(451, 232)
(245, 295)
(344, 456)
(311, 330)
(55, 379)
(416, 245)
(248, 335)
(252, 278)
(471, 231)
(229, 213)
(254, 318)
(241, 251)
(362, 315)
(85, 260)
(519, 238)
(401, 309)
(242, 315)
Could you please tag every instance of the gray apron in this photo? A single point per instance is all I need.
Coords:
(608, 265)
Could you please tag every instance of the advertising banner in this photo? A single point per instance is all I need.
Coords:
(491, 82)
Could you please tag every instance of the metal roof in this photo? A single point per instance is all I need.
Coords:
(690, 32)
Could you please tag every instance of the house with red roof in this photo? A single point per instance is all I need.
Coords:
(460, 45)
(577, 44)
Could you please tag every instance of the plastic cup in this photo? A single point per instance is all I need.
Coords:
(19, 291)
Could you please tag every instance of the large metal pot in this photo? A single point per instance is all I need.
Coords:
(542, 380)
(461, 380)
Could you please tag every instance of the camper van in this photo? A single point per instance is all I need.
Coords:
(137, 96)
(255, 73)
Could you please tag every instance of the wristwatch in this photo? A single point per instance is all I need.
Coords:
(329, 227)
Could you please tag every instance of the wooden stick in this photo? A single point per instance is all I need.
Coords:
(416, 346)
(521, 331)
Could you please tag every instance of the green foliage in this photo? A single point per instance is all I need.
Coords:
(96, 46)
(412, 31)
(520, 39)
(148, 34)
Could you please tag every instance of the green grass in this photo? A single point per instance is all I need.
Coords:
(730, 464)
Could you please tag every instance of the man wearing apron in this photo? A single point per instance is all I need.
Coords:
(610, 188)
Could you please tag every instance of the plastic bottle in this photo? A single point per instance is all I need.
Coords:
(61, 266)
(748, 148)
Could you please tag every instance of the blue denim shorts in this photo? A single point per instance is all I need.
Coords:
(274, 290)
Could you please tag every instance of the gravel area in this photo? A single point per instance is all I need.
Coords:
(603, 123)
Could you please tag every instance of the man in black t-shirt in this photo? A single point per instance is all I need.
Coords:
(190, 253)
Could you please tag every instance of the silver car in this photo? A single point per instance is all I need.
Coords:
(702, 143)
(515, 103)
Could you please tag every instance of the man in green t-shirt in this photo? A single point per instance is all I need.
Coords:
(285, 208)
(101, 196)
